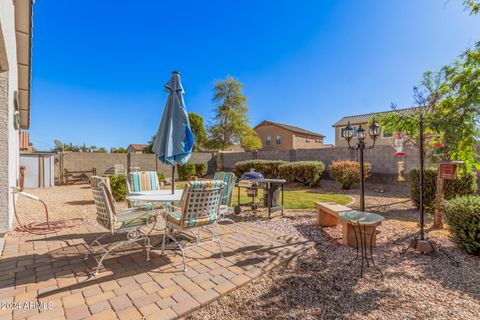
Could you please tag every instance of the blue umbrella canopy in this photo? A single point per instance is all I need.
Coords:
(174, 139)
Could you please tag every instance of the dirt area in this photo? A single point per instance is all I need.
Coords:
(320, 284)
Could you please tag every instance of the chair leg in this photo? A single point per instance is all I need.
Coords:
(91, 245)
(107, 252)
(147, 247)
(164, 238)
(216, 238)
(181, 250)
(229, 220)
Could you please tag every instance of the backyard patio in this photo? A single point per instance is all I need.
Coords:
(286, 267)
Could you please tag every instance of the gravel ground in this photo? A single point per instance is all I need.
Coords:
(320, 284)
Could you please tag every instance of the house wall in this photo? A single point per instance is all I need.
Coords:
(270, 130)
(341, 142)
(306, 142)
(9, 136)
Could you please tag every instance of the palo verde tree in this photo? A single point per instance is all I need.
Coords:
(230, 124)
(450, 107)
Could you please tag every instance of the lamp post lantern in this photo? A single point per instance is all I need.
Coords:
(373, 132)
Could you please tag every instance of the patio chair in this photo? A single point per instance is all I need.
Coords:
(142, 181)
(129, 221)
(226, 202)
(199, 209)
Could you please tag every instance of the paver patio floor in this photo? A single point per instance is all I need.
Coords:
(51, 269)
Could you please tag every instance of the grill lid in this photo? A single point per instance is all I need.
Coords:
(252, 175)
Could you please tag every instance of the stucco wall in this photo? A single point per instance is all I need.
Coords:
(9, 154)
(307, 142)
(268, 130)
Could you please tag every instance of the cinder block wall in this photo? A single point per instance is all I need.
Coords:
(104, 162)
(384, 162)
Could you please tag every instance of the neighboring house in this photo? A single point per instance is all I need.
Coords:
(385, 138)
(278, 136)
(137, 148)
(15, 67)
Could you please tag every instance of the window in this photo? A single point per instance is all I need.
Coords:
(278, 140)
(318, 140)
(268, 140)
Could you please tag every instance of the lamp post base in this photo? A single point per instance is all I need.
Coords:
(423, 246)
(426, 246)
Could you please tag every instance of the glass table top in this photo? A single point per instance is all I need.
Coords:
(361, 217)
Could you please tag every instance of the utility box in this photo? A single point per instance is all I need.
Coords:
(39, 169)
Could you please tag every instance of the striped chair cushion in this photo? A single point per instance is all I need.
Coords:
(199, 205)
(229, 178)
(144, 181)
(126, 220)
(104, 202)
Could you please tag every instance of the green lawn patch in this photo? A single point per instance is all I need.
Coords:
(294, 199)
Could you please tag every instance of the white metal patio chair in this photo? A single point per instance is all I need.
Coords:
(199, 209)
(129, 221)
(226, 202)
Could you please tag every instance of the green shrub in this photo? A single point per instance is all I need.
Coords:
(161, 176)
(201, 169)
(118, 186)
(269, 168)
(464, 184)
(463, 216)
(307, 172)
(348, 172)
(186, 171)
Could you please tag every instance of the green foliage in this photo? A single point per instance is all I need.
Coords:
(463, 217)
(230, 124)
(348, 172)
(251, 142)
(118, 185)
(201, 169)
(307, 172)
(149, 148)
(119, 150)
(198, 129)
(269, 168)
(464, 184)
(161, 176)
(451, 109)
(472, 5)
(186, 171)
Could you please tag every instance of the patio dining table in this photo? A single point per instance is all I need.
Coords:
(156, 197)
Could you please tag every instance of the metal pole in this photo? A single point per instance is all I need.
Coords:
(362, 187)
(422, 215)
(173, 179)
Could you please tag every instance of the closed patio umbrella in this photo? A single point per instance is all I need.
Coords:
(174, 139)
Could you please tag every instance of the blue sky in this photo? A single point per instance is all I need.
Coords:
(99, 66)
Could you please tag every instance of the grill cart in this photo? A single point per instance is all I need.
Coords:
(272, 188)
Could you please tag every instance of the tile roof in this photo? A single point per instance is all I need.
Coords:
(364, 118)
(291, 128)
(138, 146)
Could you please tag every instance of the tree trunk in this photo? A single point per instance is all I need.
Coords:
(438, 218)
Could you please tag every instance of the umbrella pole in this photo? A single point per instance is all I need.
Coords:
(173, 179)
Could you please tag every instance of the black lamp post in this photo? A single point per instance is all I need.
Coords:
(374, 132)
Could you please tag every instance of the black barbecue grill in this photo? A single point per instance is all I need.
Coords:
(253, 181)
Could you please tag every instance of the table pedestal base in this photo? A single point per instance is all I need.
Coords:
(364, 239)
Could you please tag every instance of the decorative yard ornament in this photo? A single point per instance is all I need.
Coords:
(439, 151)
(398, 144)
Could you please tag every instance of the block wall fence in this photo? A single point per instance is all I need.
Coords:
(384, 162)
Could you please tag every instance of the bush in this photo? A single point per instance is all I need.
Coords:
(118, 186)
(307, 172)
(269, 168)
(463, 217)
(201, 169)
(348, 172)
(464, 184)
(161, 176)
(186, 171)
